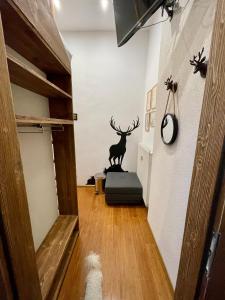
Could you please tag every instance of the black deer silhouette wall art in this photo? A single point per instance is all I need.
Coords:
(117, 151)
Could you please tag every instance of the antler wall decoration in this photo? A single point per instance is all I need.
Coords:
(200, 63)
(171, 85)
(169, 124)
(169, 6)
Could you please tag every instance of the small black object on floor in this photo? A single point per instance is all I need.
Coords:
(114, 168)
(91, 181)
(123, 188)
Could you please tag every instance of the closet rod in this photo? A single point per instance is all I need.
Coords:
(41, 128)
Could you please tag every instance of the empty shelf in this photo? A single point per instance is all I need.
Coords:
(27, 121)
(33, 34)
(53, 251)
(27, 78)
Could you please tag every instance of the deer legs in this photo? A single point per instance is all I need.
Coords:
(120, 159)
(114, 160)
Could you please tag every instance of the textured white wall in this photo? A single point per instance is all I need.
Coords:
(37, 159)
(107, 81)
(151, 79)
(172, 165)
(152, 70)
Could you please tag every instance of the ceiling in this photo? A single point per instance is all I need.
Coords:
(85, 15)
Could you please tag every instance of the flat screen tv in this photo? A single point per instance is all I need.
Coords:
(130, 15)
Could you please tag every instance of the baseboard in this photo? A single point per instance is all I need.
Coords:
(162, 264)
(86, 186)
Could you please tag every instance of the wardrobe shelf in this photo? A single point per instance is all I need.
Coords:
(27, 78)
(34, 35)
(33, 56)
(28, 121)
(54, 253)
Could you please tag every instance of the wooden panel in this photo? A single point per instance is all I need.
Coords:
(64, 152)
(40, 15)
(27, 78)
(212, 283)
(25, 120)
(6, 292)
(37, 38)
(207, 159)
(65, 166)
(58, 281)
(62, 81)
(53, 249)
(13, 199)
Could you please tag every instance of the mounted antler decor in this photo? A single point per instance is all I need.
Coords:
(171, 86)
(117, 151)
(200, 64)
(169, 124)
(170, 6)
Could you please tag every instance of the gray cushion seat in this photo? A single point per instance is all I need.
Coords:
(123, 188)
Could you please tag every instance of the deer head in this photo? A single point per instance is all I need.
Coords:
(199, 63)
(171, 85)
(118, 130)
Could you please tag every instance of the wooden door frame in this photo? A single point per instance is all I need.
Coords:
(14, 210)
(206, 166)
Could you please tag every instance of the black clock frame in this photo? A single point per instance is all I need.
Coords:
(175, 129)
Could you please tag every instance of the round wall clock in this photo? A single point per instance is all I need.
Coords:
(169, 129)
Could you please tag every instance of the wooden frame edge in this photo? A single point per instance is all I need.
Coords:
(206, 165)
(13, 198)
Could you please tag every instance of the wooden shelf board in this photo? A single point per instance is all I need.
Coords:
(23, 36)
(58, 281)
(27, 121)
(53, 251)
(27, 78)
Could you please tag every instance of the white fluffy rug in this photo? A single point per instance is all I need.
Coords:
(94, 278)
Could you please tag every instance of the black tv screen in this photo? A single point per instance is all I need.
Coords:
(130, 15)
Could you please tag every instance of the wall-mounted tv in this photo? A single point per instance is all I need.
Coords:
(130, 15)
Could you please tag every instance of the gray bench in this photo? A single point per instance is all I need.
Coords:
(123, 188)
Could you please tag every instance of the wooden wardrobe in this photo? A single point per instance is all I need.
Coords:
(29, 28)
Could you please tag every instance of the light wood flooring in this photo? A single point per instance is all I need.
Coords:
(131, 265)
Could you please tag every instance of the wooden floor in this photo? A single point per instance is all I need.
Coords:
(131, 266)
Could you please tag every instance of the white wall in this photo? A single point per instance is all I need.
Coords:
(37, 159)
(152, 70)
(172, 165)
(144, 159)
(107, 81)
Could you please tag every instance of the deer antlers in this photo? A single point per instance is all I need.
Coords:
(199, 63)
(170, 85)
(113, 125)
(136, 124)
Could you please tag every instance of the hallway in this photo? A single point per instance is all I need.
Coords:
(131, 266)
